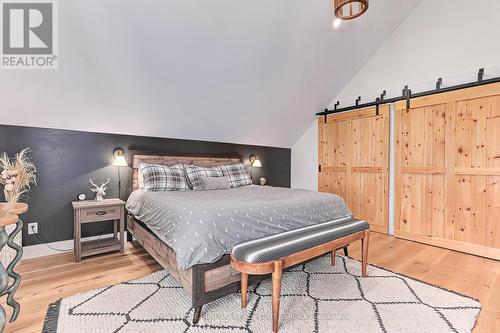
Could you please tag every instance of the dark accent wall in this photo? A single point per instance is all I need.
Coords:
(67, 159)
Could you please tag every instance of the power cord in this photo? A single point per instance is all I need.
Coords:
(46, 242)
(43, 240)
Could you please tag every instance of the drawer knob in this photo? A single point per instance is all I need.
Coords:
(101, 213)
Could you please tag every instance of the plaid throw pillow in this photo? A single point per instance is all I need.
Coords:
(194, 174)
(237, 174)
(159, 178)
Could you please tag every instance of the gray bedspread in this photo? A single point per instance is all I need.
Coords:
(202, 226)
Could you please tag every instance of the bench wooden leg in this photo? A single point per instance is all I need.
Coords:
(346, 252)
(333, 257)
(244, 286)
(364, 252)
(196, 314)
(278, 266)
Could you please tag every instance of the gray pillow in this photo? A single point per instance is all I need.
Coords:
(194, 174)
(214, 183)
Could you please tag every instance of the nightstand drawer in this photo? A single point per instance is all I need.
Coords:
(100, 214)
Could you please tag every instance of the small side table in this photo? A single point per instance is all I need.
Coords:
(90, 211)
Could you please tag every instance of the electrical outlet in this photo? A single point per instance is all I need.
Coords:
(32, 228)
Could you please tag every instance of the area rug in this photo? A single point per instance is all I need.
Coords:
(316, 297)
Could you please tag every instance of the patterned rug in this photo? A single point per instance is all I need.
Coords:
(316, 297)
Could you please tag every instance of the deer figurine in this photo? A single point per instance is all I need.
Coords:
(100, 191)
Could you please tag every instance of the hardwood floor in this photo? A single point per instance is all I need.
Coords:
(47, 279)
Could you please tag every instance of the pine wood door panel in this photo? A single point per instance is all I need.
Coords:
(368, 169)
(333, 182)
(448, 169)
(368, 199)
(422, 201)
(333, 148)
(354, 159)
(474, 131)
(333, 153)
(492, 237)
(369, 142)
(421, 140)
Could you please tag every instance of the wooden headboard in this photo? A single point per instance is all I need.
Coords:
(163, 159)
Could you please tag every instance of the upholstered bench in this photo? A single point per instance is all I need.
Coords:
(274, 253)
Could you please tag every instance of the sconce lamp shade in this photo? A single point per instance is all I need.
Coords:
(119, 160)
(255, 162)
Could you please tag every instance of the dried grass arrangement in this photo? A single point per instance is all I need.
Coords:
(17, 175)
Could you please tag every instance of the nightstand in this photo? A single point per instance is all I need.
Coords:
(90, 211)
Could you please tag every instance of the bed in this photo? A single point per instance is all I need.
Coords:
(190, 233)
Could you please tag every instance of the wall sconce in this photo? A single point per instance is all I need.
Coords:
(119, 161)
(254, 162)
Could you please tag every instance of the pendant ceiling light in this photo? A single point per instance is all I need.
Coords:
(349, 9)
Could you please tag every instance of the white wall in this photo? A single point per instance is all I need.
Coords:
(305, 161)
(221, 70)
(446, 38)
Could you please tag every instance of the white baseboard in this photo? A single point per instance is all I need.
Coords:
(42, 250)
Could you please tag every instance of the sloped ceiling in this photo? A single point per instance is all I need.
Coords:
(221, 70)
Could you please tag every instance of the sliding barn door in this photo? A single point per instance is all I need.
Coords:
(448, 170)
(354, 159)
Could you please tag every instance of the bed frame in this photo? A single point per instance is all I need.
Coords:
(204, 282)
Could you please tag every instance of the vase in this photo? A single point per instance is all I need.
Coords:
(7, 254)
